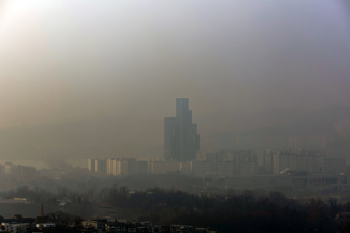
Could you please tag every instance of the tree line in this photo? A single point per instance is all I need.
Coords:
(244, 211)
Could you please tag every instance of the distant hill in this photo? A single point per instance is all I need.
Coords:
(107, 137)
(328, 129)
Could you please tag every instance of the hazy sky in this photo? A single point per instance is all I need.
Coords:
(63, 61)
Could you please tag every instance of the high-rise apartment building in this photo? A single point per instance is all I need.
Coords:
(91, 164)
(233, 162)
(113, 166)
(181, 141)
(300, 160)
(100, 165)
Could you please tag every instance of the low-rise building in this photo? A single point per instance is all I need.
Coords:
(182, 229)
(46, 227)
(15, 227)
(98, 224)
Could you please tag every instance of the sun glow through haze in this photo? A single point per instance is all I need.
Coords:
(64, 61)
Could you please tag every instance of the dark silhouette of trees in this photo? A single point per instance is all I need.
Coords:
(239, 211)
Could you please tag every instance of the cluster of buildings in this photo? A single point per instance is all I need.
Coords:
(230, 162)
(21, 172)
(127, 226)
(225, 162)
(288, 170)
(181, 145)
(279, 161)
(19, 224)
(130, 166)
(230, 168)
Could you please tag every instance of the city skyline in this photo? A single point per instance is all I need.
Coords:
(99, 80)
(96, 121)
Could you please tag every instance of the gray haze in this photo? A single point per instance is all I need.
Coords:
(85, 78)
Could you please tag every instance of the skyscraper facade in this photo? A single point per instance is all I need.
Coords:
(181, 140)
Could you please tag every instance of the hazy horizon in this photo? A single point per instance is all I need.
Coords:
(97, 68)
(175, 116)
(66, 62)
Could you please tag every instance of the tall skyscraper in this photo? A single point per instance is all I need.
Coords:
(181, 140)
